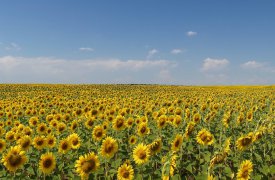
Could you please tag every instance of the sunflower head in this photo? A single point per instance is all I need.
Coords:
(244, 141)
(119, 123)
(109, 147)
(204, 137)
(245, 169)
(64, 146)
(87, 164)
(39, 142)
(47, 163)
(25, 142)
(155, 147)
(143, 129)
(14, 159)
(50, 141)
(2, 145)
(98, 133)
(74, 140)
(132, 140)
(177, 142)
(141, 154)
(125, 172)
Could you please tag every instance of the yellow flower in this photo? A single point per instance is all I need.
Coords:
(141, 154)
(87, 164)
(47, 163)
(39, 142)
(41, 128)
(155, 147)
(226, 148)
(244, 141)
(109, 147)
(177, 143)
(244, 170)
(98, 133)
(125, 172)
(189, 129)
(143, 129)
(132, 140)
(2, 145)
(74, 140)
(14, 159)
(50, 141)
(119, 123)
(204, 137)
(25, 142)
(64, 146)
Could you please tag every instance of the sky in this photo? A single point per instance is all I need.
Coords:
(194, 42)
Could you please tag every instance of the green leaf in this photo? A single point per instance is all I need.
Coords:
(272, 169)
(176, 177)
(227, 171)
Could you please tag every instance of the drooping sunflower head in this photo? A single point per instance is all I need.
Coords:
(64, 146)
(87, 164)
(47, 163)
(177, 142)
(125, 172)
(14, 159)
(189, 129)
(141, 154)
(244, 141)
(74, 140)
(155, 146)
(98, 133)
(245, 169)
(2, 145)
(109, 147)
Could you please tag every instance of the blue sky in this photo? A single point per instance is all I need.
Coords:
(144, 41)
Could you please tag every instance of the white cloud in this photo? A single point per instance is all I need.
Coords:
(49, 70)
(12, 47)
(191, 33)
(152, 52)
(88, 49)
(210, 64)
(176, 51)
(252, 65)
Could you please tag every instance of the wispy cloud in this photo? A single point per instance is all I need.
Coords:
(152, 52)
(210, 64)
(252, 65)
(87, 49)
(11, 46)
(191, 33)
(44, 69)
(176, 51)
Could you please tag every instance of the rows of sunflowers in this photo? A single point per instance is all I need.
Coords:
(136, 132)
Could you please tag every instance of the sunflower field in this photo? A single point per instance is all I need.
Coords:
(136, 132)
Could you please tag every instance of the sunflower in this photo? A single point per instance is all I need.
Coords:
(189, 129)
(155, 146)
(9, 122)
(141, 154)
(64, 146)
(217, 159)
(119, 123)
(177, 120)
(162, 121)
(10, 136)
(226, 148)
(54, 123)
(41, 128)
(125, 172)
(109, 147)
(27, 131)
(33, 121)
(89, 123)
(61, 127)
(132, 140)
(98, 133)
(258, 135)
(14, 159)
(74, 140)
(143, 129)
(74, 125)
(244, 141)
(39, 142)
(47, 163)
(245, 169)
(2, 145)
(87, 164)
(25, 142)
(204, 137)
(130, 122)
(177, 143)
(173, 164)
(50, 141)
